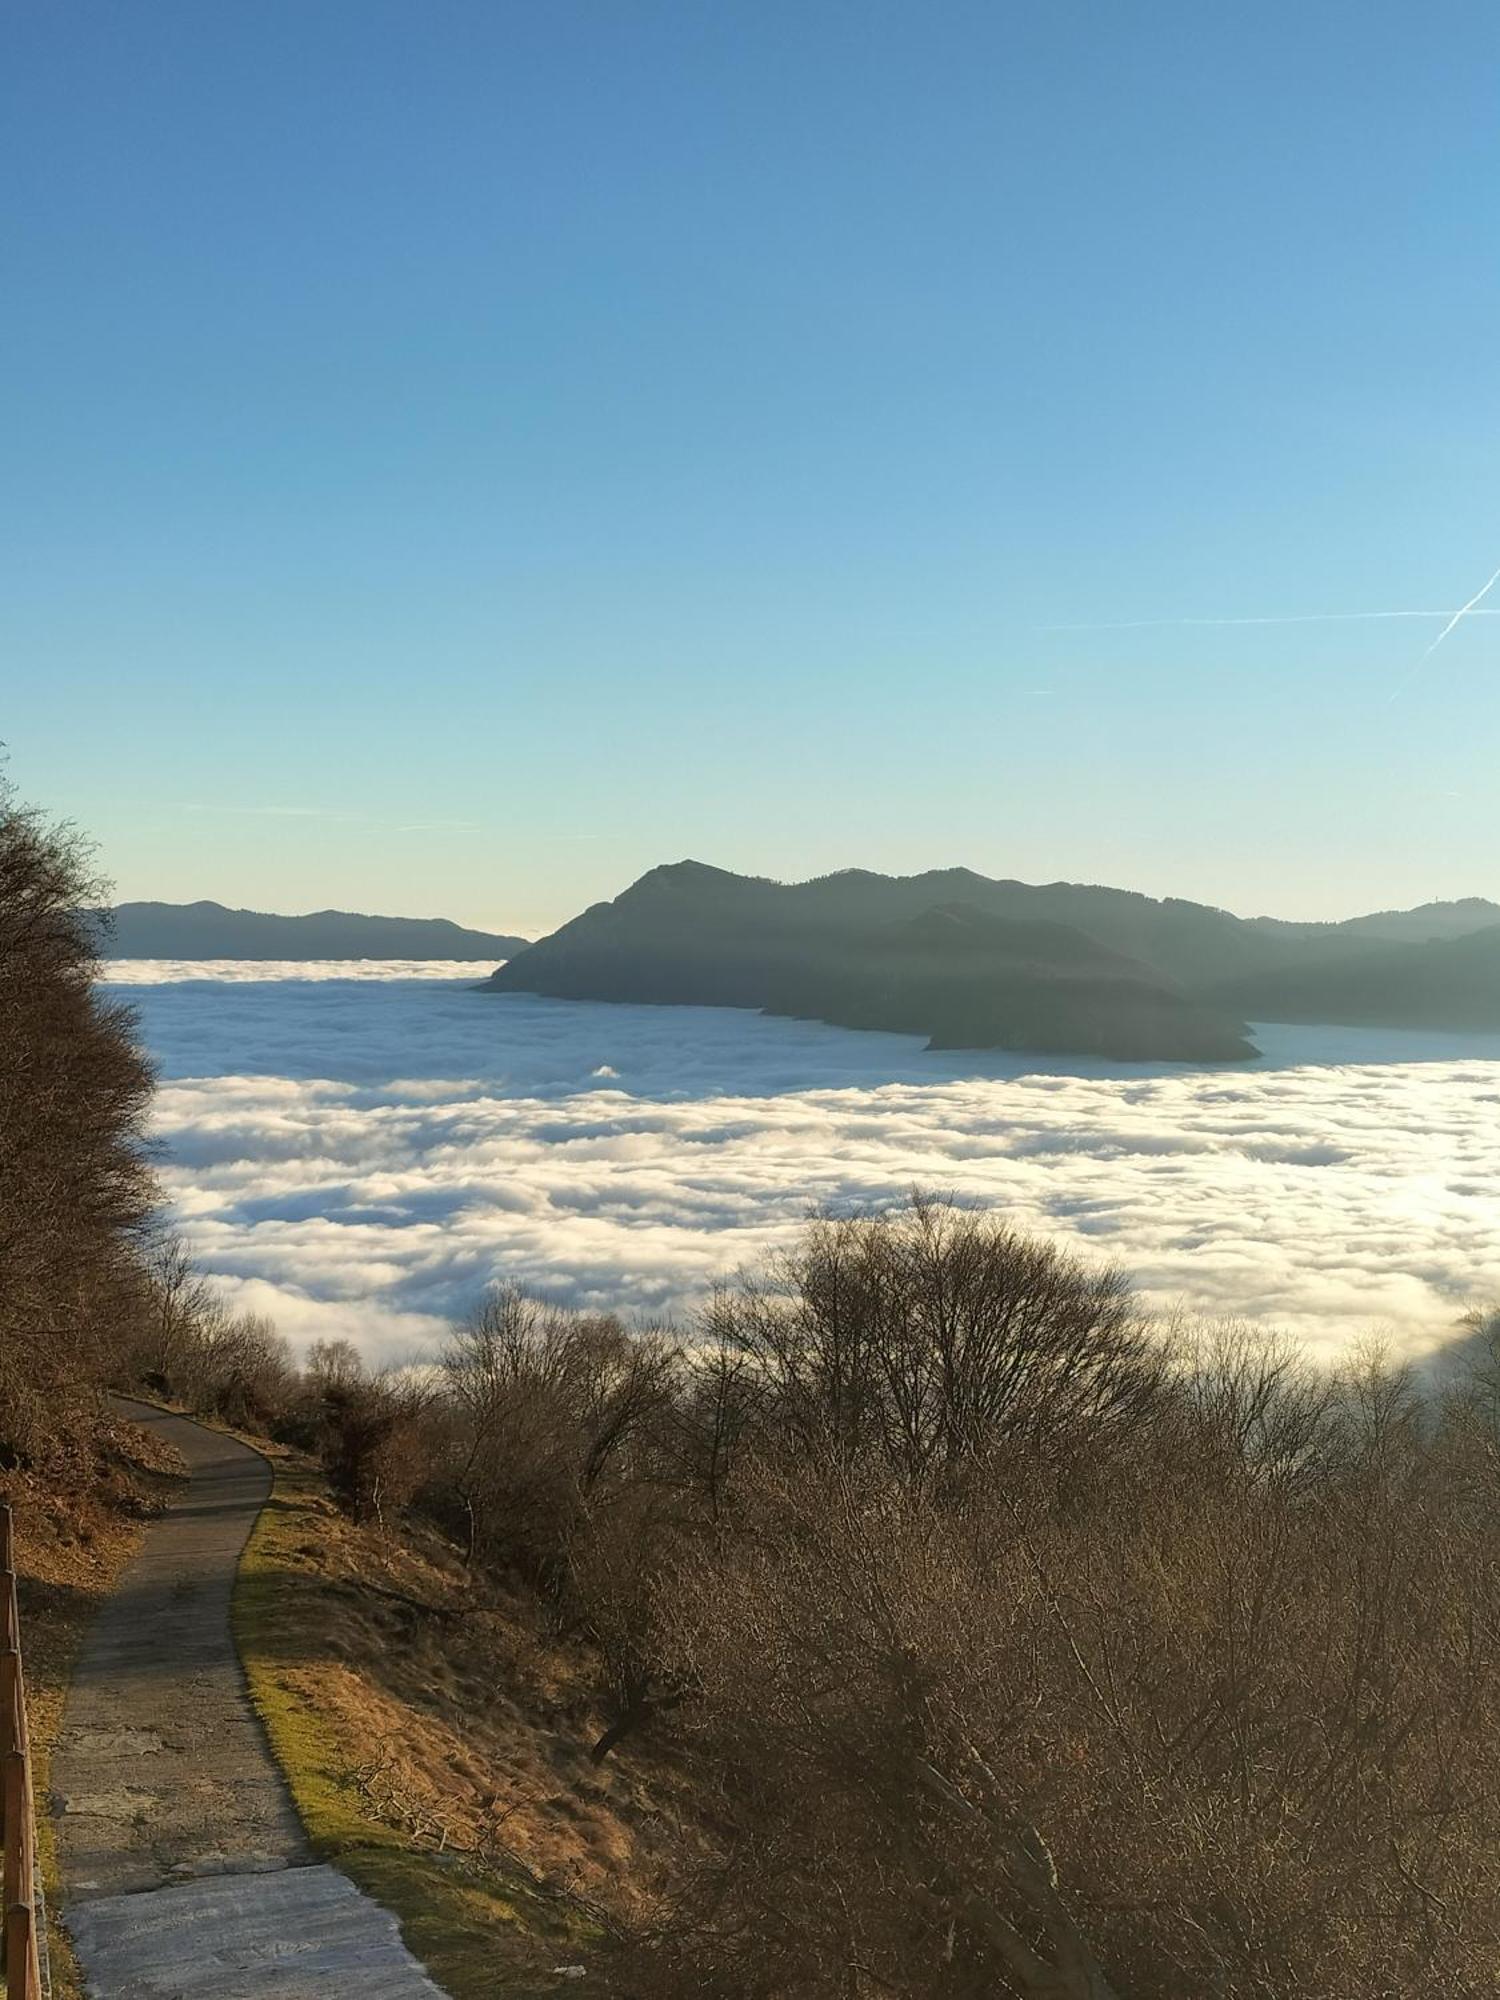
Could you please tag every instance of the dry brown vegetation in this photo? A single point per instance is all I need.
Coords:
(76, 1195)
(77, 1210)
(436, 1736)
(93, 1290)
(1144, 1672)
(461, 1717)
(933, 1624)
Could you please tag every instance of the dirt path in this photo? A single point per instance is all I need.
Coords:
(183, 1864)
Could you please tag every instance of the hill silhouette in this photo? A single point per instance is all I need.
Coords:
(1429, 921)
(928, 955)
(970, 962)
(1452, 984)
(209, 930)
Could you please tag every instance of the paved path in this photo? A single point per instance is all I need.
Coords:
(183, 1864)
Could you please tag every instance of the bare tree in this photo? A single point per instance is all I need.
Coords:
(932, 1333)
(76, 1194)
(375, 1445)
(181, 1302)
(1185, 1682)
(553, 1406)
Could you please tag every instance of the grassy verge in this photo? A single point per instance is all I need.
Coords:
(478, 1933)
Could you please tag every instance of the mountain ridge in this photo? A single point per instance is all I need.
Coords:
(973, 961)
(206, 929)
(1447, 983)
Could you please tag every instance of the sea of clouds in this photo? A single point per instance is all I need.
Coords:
(358, 1149)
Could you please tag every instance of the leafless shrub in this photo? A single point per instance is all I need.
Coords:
(375, 1443)
(933, 1333)
(1187, 1691)
(179, 1302)
(332, 1365)
(552, 1409)
(237, 1367)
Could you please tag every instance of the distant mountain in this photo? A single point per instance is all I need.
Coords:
(1452, 985)
(1426, 924)
(208, 930)
(919, 954)
(1429, 921)
(1061, 967)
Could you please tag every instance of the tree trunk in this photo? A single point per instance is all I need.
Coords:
(618, 1730)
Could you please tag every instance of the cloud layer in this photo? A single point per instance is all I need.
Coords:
(361, 1156)
(256, 971)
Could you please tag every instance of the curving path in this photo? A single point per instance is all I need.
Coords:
(184, 1869)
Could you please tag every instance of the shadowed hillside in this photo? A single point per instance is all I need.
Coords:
(1061, 968)
(1451, 985)
(968, 963)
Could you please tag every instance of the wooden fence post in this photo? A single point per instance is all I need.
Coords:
(23, 1972)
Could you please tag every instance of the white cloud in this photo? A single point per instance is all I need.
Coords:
(256, 971)
(377, 1152)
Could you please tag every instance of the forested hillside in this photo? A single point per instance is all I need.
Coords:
(966, 963)
(1450, 984)
(1062, 968)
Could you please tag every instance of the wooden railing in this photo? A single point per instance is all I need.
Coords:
(23, 1943)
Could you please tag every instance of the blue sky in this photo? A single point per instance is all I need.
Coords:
(459, 455)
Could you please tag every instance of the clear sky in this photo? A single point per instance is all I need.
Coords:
(460, 453)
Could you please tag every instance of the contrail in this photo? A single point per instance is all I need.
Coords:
(1297, 618)
(1463, 613)
(1450, 620)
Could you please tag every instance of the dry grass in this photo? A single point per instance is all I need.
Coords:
(438, 1748)
(78, 1521)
